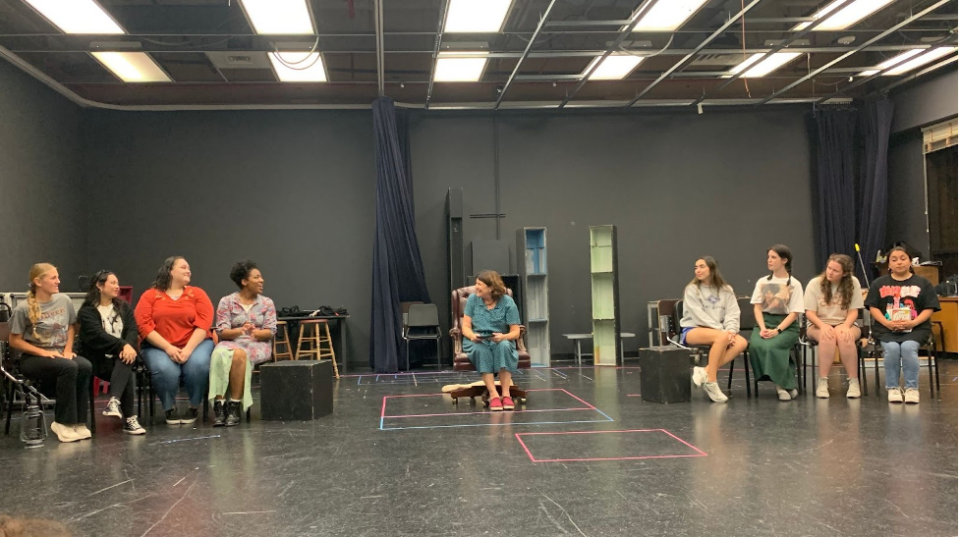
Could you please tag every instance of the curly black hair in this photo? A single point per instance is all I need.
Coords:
(240, 271)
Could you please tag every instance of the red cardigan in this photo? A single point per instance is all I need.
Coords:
(175, 320)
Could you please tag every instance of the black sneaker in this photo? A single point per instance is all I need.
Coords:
(190, 416)
(132, 426)
(219, 414)
(233, 413)
(173, 417)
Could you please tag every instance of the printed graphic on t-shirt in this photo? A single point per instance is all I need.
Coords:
(901, 305)
(52, 333)
(775, 298)
(112, 323)
(835, 300)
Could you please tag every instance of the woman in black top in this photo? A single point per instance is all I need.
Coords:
(108, 333)
(901, 305)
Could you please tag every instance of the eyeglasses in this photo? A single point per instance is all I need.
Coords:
(100, 274)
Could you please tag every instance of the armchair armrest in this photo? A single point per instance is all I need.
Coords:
(520, 344)
(457, 336)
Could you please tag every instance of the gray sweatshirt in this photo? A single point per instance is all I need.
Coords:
(707, 308)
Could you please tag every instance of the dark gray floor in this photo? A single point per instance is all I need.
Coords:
(749, 467)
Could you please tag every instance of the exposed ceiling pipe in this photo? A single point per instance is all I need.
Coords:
(680, 64)
(526, 52)
(846, 55)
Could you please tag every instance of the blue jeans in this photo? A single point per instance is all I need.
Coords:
(166, 374)
(906, 353)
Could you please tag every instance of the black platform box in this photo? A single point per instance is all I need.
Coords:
(664, 375)
(297, 390)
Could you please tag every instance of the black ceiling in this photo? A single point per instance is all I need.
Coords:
(190, 38)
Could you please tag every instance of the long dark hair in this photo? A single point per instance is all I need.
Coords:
(93, 294)
(162, 283)
(898, 249)
(716, 280)
(845, 288)
(784, 253)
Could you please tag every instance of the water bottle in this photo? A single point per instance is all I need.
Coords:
(33, 427)
(5, 311)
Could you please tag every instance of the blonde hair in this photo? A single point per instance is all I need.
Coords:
(33, 307)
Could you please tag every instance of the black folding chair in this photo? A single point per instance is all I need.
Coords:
(422, 323)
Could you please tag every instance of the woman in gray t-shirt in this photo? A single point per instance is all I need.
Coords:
(42, 329)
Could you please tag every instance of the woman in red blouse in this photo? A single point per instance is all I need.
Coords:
(175, 320)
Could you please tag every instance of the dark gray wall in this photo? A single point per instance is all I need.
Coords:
(41, 215)
(677, 186)
(906, 204)
(930, 100)
(927, 101)
(294, 191)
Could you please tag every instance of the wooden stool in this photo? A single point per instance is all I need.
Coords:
(281, 343)
(311, 335)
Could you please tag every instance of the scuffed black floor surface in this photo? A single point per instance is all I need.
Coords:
(389, 466)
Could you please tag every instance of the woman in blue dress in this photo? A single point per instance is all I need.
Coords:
(491, 325)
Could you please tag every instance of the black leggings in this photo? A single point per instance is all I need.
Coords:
(73, 379)
(123, 382)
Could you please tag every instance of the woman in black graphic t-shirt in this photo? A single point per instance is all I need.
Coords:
(901, 305)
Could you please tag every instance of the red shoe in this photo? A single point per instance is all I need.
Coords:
(507, 403)
(495, 404)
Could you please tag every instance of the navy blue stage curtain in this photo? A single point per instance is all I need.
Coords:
(397, 266)
(836, 142)
(875, 121)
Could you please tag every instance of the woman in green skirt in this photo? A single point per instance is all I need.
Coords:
(777, 302)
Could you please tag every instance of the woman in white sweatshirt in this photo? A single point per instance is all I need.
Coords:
(711, 316)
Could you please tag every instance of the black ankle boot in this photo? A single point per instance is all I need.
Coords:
(233, 413)
(219, 414)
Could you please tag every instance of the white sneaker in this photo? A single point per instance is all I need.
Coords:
(894, 395)
(853, 389)
(714, 392)
(113, 408)
(699, 376)
(823, 391)
(783, 395)
(63, 432)
(912, 396)
(82, 432)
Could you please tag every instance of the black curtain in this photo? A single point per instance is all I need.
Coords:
(836, 143)
(875, 120)
(397, 266)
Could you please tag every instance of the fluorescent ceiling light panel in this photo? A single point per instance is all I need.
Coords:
(894, 61)
(476, 16)
(846, 17)
(752, 67)
(614, 67)
(134, 67)
(451, 68)
(279, 17)
(77, 16)
(298, 66)
(923, 59)
(668, 15)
